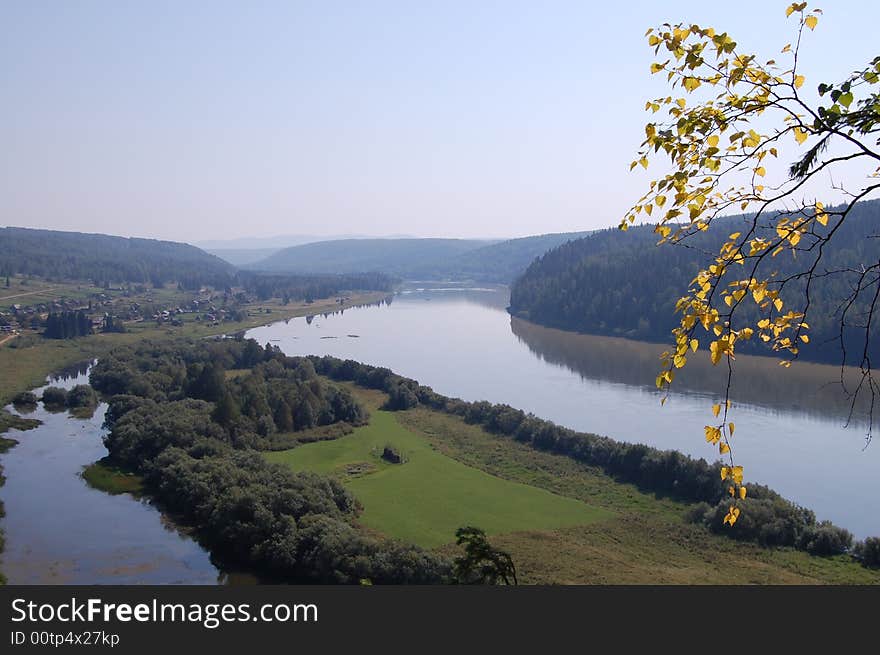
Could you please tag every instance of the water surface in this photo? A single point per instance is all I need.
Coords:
(60, 531)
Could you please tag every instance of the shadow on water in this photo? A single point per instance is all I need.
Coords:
(61, 531)
(806, 388)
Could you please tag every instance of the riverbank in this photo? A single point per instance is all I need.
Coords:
(27, 366)
(633, 537)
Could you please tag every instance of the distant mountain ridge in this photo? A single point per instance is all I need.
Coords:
(276, 242)
(396, 256)
(485, 260)
(241, 257)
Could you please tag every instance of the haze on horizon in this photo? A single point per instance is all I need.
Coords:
(209, 121)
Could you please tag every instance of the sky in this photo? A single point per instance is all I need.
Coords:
(198, 121)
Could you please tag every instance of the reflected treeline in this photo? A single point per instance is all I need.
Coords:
(72, 372)
(805, 387)
(494, 296)
(387, 300)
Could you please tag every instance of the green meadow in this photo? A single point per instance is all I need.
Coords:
(428, 497)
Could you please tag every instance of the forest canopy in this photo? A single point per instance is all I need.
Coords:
(107, 260)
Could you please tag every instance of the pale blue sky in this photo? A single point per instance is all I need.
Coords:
(198, 120)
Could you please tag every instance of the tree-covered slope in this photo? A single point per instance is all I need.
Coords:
(242, 256)
(107, 259)
(621, 283)
(503, 262)
(457, 259)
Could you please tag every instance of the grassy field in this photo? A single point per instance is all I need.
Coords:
(34, 291)
(647, 539)
(429, 496)
(625, 536)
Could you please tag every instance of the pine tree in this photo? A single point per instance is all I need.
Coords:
(226, 411)
(283, 417)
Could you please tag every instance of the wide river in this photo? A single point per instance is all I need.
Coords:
(790, 423)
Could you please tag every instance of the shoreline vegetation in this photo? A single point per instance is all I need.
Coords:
(29, 366)
(194, 435)
(770, 519)
(108, 476)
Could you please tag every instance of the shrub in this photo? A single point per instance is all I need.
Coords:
(825, 539)
(24, 398)
(868, 551)
(698, 513)
(82, 395)
(55, 397)
(401, 397)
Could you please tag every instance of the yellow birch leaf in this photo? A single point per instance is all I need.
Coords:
(736, 473)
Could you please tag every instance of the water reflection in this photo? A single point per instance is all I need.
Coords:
(812, 389)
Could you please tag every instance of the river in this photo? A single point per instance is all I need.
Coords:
(790, 431)
(60, 531)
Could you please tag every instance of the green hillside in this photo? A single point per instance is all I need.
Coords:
(107, 260)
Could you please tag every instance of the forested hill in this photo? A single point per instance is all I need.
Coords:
(107, 259)
(622, 284)
(502, 262)
(396, 256)
(456, 259)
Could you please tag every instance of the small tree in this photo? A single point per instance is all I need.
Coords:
(481, 563)
(54, 397)
(868, 551)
